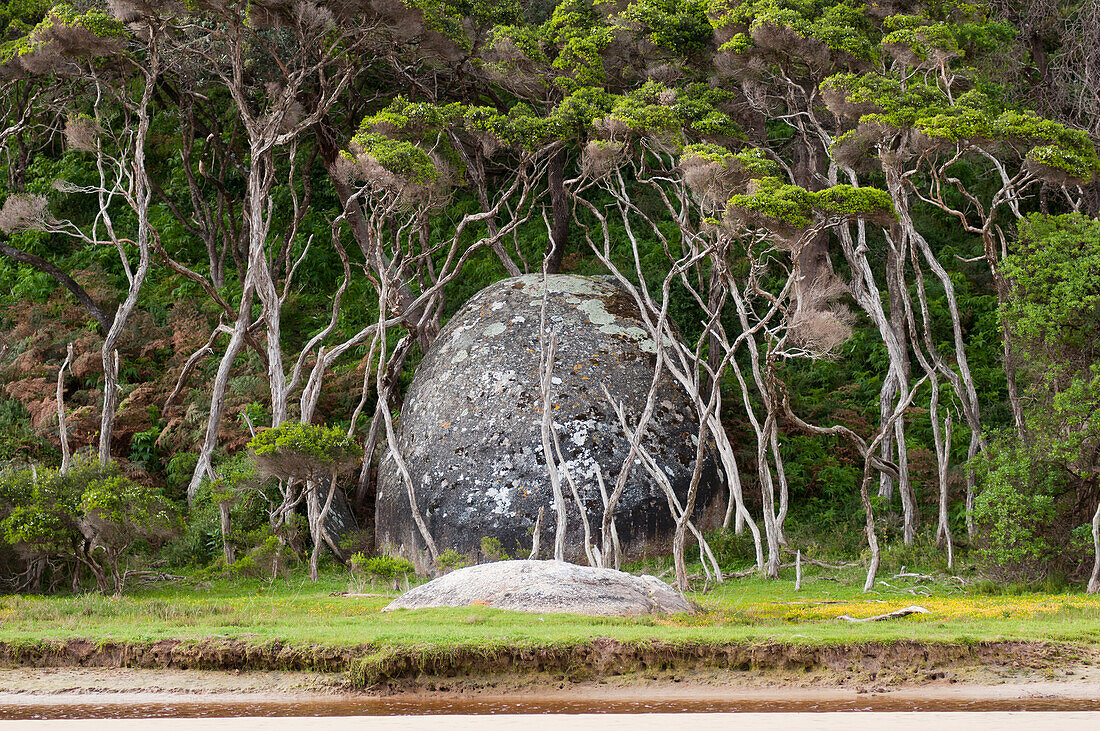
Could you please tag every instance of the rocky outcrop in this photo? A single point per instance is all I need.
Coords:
(470, 427)
(340, 521)
(546, 586)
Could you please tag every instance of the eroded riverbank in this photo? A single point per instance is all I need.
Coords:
(60, 693)
(429, 666)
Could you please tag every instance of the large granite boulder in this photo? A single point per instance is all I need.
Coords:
(470, 427)
(340, 521)
(546, 586)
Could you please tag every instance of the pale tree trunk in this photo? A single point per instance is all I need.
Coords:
(885, 430)
(140, 199)
(941, 439)
(763, 432)
(609, 534)
(895, 287)
(887, 394)
(313, 510)
(317, 517)
(781, 476)
(910, 516)
(258, 220)
(971, 491)
(382, 388)
(395, 454)
(869, 528)
(1010, 379)
(110, 403)
(767, 494)
(546, 371)
(1094, 580)
(62, 425)
(894, 386)
(535, 538)
(963, 381)
(943, 454)
(204, 467)
(226, 528)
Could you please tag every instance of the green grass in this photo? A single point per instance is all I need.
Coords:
(296, 611)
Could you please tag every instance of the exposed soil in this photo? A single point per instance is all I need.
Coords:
(604, 661)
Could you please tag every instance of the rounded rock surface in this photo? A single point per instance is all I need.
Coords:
(546, 587)
(470, 430)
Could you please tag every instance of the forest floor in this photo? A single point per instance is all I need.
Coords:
(745, 627)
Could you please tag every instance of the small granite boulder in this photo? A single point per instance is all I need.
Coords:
(546, 587)
(471, 428)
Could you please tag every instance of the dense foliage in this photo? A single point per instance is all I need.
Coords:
(872, 228)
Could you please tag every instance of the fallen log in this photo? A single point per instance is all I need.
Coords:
(897, 613)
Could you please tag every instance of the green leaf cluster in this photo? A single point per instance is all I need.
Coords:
(842, 27)
(774, 201)
(53, 17)
(404, 159)
(325, 446)
(678, 26)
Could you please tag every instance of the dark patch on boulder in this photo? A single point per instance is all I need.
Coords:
(470, 428)
(340, 521)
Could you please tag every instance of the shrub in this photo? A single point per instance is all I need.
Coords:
(91, 518)
(451, 559)
(492, 549)
(1014, 516)
(732, 551)
(387, 569)
(250, 498)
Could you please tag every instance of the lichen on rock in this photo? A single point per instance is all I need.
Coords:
(470, 428)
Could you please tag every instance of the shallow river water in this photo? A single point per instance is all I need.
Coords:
(132, 706)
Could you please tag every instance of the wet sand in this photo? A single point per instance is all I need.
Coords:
(644, 722)
(76, 693)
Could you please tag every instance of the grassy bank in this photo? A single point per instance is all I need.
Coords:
(298, 612)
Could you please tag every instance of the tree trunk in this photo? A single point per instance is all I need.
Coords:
(943, 453)
(110, 404)
(317, 523)
(226, 528)
(909, 509)
(781, 476)
(1094, 580)
(536, 536)
(313, 510)
(63, 279)
(971, 490)
(559, 203)
(895, 286)
(869, 527)
(203, 466)
(62, 425)
(548, 355)
(887, 394)
(257, 210)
